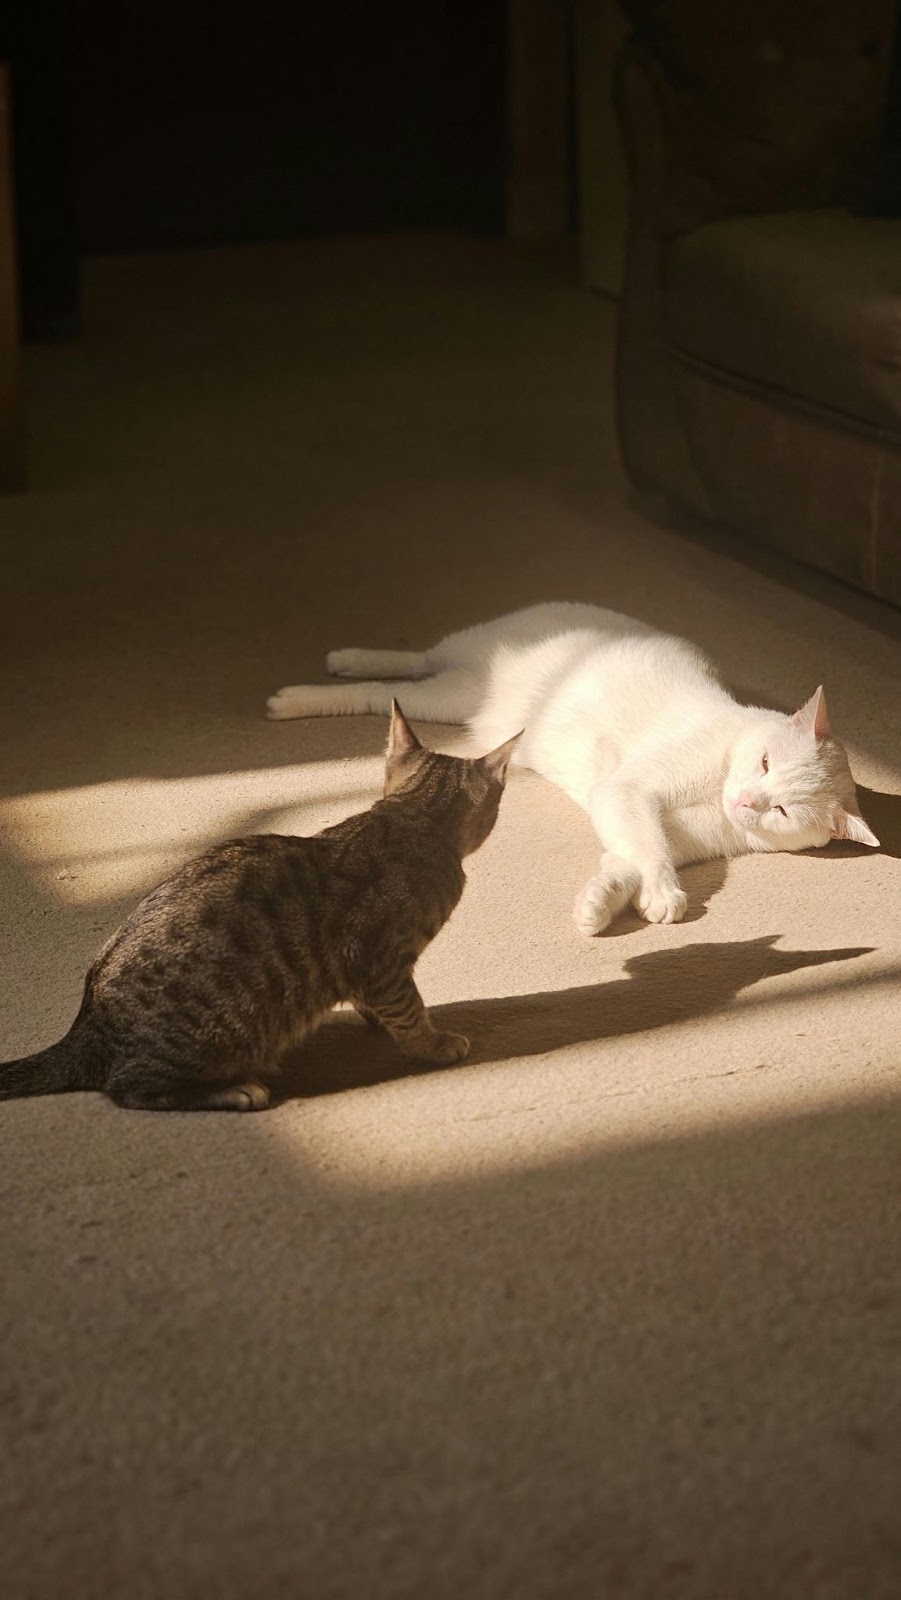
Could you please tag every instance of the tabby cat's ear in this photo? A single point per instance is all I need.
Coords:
(497, 761)
(813, 717)
(402, 741)
(850, 825)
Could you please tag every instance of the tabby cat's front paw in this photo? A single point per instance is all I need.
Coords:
(447, 1048)
(662, 902)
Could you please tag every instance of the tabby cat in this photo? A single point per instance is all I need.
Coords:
(242, 952)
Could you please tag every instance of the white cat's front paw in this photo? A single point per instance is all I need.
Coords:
(595, 907)
(344, 663)
(298, 700)
(662, 902)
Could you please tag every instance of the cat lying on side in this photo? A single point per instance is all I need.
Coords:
(241, 953)
(634, 725)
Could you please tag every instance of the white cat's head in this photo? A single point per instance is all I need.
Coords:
(789, 784)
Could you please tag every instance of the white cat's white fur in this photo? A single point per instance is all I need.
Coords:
(634, 725)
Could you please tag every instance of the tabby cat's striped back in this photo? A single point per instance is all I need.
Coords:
(241, 953)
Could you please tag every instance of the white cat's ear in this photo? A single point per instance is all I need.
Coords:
(497, 761)
(402, 741)
(850, 825)
(813, 717)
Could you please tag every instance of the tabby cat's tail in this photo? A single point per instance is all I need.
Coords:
(68, 1065)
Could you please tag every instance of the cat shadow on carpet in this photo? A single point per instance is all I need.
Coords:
(660, 988)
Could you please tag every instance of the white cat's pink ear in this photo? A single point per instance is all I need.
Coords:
(850, 825)
(402, 741)
(813, 717)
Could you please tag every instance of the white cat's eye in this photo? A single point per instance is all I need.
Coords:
(781, 809)
(766, 764)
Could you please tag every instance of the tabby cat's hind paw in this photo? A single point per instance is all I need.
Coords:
(247, 1097)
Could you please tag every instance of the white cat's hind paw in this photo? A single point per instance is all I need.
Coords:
(663, 903)
(297, 700)
(346, 663)
(377, 665)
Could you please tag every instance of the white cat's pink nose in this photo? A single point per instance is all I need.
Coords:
(745, 798)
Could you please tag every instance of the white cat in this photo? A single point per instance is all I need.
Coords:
(636, 727)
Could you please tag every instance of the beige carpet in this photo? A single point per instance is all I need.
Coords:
(613, 1308)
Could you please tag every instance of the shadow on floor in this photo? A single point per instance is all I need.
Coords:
(662, 989)
(883, 813)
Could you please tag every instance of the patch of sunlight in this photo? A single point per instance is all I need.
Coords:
(553, 1116)
(105, 840)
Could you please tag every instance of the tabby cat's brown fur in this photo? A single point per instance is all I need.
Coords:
(241, 953)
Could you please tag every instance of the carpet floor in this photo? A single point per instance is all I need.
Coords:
(614, 1307)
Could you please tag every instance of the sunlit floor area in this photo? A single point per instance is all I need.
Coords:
(612, 1308)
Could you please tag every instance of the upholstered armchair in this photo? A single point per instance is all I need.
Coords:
(759, 358)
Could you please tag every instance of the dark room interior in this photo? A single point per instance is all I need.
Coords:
(569, 1271)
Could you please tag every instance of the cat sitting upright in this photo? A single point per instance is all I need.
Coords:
(241, 953)
(636, 727)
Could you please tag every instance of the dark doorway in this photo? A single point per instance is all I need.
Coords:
(215, 121)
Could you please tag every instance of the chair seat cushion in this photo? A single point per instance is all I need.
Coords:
(805, 304)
